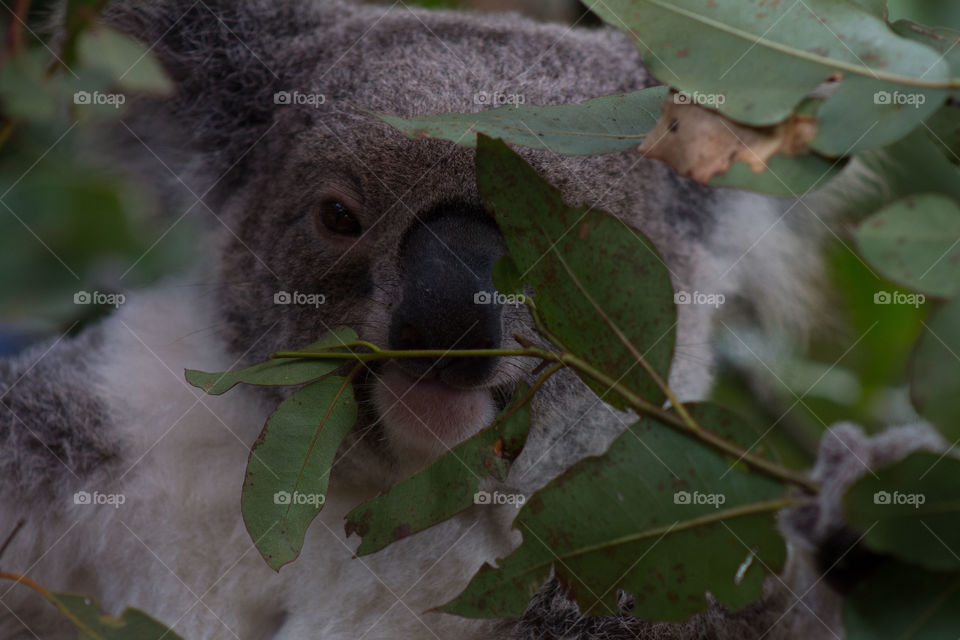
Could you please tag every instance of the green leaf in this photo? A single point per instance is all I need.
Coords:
(942, 39)
(911, 510)
(600, 125)
(935, 371)
(132, 624)
(506, 276)
(902, 602)
(126, 61)
(601, 287)
(448, 485)
(784, 176)
(288, 470)
(278, 372)
(943, 127)
(915, 242)
(764, 59)
(78, 17)
(658, 515)
(866, 113)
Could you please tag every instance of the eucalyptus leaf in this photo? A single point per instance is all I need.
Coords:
(915, 242)
(849, 122)
(658, 515)
(904, 602)
(280, 371)
(93, 624)
(911, 510)
(600, 125)
(447, 486)
(774, 55)
(784, 176)
(506, 276)
(126, 61)
(935, 371)
(288, 471)
(944, 128)
(867, 113)
(601, 287)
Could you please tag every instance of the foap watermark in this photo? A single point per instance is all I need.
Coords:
(686, 497)
(899, 98)
(312, 499)
(699, 297)
(897, 498)
(307, 299)
(96, 297)
(115, 100)
(497, 497)
(300, 99)
(495, 297)
(898, 297)
(498, 98)
(712, 100)
(112, 499)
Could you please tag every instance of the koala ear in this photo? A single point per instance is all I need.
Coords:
(227, 59)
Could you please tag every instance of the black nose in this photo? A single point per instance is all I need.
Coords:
(448, 299)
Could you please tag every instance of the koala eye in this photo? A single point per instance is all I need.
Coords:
(336, 216)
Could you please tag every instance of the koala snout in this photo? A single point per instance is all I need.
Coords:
(448, 298)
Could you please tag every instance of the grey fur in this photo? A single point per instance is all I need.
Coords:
(54, 430)
(261, 168)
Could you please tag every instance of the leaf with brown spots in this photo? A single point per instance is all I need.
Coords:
(756, 61)
(657, 515)
(288, 471)
(915, 242)
(601, 287)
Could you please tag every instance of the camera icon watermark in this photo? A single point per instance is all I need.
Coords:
(711, 100)
(896, 498)
(898, 297)
(697, 297)
(914, 100)
(697, 498)
(115, 100)
(287, 498)
(291, 98)
(497, 497)
(498, 98)
(495, 297)
(95, 297)
(306, 299)
(115, 500)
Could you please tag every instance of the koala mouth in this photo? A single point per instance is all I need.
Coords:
(426, 417)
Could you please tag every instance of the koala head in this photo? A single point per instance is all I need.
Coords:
(306, 194)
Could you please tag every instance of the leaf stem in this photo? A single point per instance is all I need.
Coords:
(16, 577)
(382, 354)
(677, 422)
(677, 418)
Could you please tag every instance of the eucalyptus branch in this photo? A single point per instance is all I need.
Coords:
(16, 577)
(657, 380)
(384, 354)
(679, 420)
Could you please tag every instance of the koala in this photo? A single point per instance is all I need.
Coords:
(266, 143)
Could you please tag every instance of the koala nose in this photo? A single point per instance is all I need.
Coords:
(446, 260)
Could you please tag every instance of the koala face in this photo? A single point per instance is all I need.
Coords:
(330, 210)
(401, 254)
